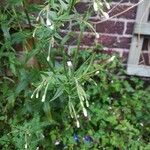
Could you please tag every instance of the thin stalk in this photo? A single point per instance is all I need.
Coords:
(82, 28)
(28, 18)
(65, 63)
(13, 9)
(49, 64)
(77, 50)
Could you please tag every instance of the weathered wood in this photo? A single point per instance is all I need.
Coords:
(141, 29)
(139, 70)
(135, 50)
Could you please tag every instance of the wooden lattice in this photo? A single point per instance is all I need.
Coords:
(139, 56)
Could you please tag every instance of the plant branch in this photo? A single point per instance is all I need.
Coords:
(116, 15)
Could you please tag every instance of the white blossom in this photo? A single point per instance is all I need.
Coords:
(97, 72)
(26, 146)
(142, 124)
(87, 103)
(95, 6)
(111, 59)
(32, 96)
(37, 95)
(106, 15)
(37, 148)
(96, 35)
(52, 27)
(57, 142)
(107, 4)
(37, 19)
(48, 22)
(84, 112)
(78, 124)
(69, 63)
(43, 98)
(48, 58)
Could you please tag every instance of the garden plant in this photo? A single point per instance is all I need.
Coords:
(53, 96)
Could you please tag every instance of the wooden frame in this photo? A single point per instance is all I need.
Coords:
(141, 29)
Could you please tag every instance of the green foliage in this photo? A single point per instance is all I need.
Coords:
(74, 99)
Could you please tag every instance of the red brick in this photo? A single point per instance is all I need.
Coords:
(76, 27)
(134, 1)
(130, 14)
(110, 27)
(108, 41)
(123, 42)
(130, 26)
(81, 7)
(125, 1)
(87, 40)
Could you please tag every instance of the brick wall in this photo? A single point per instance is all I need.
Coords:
(116, 33)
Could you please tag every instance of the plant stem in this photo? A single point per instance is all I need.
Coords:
(77, 50)
(28, 18)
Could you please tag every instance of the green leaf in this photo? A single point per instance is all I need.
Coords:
(63, 5)
(58, 93)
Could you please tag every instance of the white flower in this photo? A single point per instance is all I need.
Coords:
(112, 81)
(106, 15)
(42, 135)
(32, 96)
(57, 142)
(43, 98)
(48, 58)
(84, 112)
(37, 19)
(110, 107)
(37, 95)
(26, 146)
(52, 27)
(111, 59)
(37, 148)
(97, 72)
(87, 103)
(142, 124)
(48, 22)
(96, 35)
(78, 124)
(95, 6)
(69, 63)
(107, 4)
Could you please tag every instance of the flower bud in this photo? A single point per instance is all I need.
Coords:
(95, 6)
(84, 112)
(43, 98)
(69, 63)
(96, 35)
(78, 124)
(48, 22)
